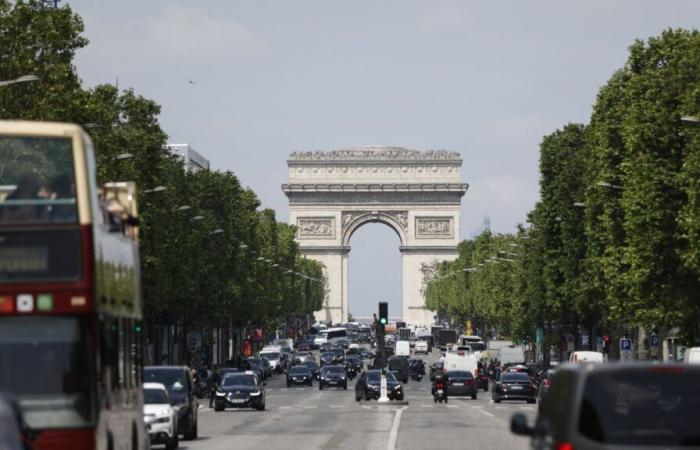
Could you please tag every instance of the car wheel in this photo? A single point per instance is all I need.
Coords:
(173, 443)
(497, 400)
(473, 396)
(261, 407)
(358, 398)
(486, 389)
(320, 386)
(192, 434)
(445, 399)
(532, 400)
(435, 399)
(311, 383)
(345, 387)
(287, 383)
(219, 407)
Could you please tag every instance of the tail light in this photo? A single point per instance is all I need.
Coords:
(564, 446)
(468, 381)
(439, 385)
(546, 382)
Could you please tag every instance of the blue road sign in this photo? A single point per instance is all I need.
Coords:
(625, 344)
(654, 340)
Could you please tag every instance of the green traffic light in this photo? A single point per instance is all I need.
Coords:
(382, 321)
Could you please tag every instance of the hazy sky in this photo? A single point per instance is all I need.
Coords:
(485, 78)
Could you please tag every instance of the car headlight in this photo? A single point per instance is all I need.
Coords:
(254, 394)
(374, 388)
(397, 388)
(342, 378)
(220, 394)
(162, 419)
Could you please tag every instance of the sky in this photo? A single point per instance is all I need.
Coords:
(246, 83)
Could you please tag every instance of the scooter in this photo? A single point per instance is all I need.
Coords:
(351, 374)
(440, 391)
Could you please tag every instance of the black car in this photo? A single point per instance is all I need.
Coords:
(543, 388)
(461, 383)
(325, 346)
(256, 365)
(368, 387)
(299, 375)
(416, 366)
(354, 362)
(621, 406)
(240, 390)
(482, 379)
(329, 358)
(514, 386)
(313, 367)
(178, 381)
(398, 365)
(333, 375)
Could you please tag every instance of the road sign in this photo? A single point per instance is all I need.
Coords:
(625, 349)
(585, 340)
(654, 342)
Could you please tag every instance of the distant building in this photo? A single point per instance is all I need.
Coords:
(193, 161)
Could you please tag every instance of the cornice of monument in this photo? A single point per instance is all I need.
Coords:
(375, 154)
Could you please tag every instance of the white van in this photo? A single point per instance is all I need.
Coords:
(403, 348)
(421, 347)
(461, 361)
(511, 354)
(589, 357)
(692, 355)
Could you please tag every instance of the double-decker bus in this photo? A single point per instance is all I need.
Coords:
(70, 304)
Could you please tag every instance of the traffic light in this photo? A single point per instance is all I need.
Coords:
(383, 313)
(606, 343)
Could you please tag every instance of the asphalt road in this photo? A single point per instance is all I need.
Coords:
(305, 418)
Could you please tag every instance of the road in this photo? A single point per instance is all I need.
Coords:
(307, 418)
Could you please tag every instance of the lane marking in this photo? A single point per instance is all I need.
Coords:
(310, 406)
(336, 406)
(285, 407)
(394, 433)
(427, 406)
(486, 412)
(452, 406)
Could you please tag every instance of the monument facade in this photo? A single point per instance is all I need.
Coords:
(417, 194)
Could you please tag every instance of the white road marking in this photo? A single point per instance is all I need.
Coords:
(427, 406)
(486, 412)
(285, 407)
(394, 433)
(336, 406)
(452, 406)
(310, 406)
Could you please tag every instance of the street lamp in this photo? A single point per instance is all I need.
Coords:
(609, 185)
(22, 79)
(123, 156)
(155, 189)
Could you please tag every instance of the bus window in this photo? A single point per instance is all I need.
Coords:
(37, 183)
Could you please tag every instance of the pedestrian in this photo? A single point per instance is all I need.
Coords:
(214, 381)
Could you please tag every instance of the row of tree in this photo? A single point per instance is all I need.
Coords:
(614, 242)
(210, 256)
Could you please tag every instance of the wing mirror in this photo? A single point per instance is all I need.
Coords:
(518, 425)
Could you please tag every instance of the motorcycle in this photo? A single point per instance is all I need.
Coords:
(416, 376)
(351, 373)
(439, 390)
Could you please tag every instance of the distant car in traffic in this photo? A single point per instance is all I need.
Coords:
(332, 375)
(544, 386)
(617, 406)
(178, 381)
(461, 383)
(159, 416)
(240, 390)
(436, 368)
(482, 379)
(421, 347)
(354, 363)
(313, 367)
(368, 386)
(299, 375)
(398, 365)
(514, 386)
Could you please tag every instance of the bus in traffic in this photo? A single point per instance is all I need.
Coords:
(70, 304)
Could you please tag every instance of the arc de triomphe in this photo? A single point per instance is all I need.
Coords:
(417, 194)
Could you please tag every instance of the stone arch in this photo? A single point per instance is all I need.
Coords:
(355, 222)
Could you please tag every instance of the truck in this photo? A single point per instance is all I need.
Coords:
(461, 361)
(403, 348)
(493, 346)
(404, 334)
(511, 354)
(446, 337)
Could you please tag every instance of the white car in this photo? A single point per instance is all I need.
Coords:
(421, 347)
(160, 416)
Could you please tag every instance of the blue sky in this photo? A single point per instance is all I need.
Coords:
(486, 79)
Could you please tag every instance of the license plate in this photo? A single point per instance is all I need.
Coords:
(238, 400)
(439, 391)
(516, 388)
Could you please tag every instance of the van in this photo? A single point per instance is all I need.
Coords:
(511, 354)
(692, 355)
(589, 357)
(398, 365)
(403, 348)
(461, 361)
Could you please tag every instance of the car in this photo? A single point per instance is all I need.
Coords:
(274, 357)
(421, 347)
(417, 368)
(313, 367)
(542, 389)
(482, 379)
(240, 390)
(160, 416)
(332, 375)
(301, 357)
(304, 346)
(324, 347)
(178, 381)
(257, 364)
(436, 368)
(398, 365)
(514, 386)
(617, 406)
(354, 362)
(586, 357)
(331, 357)
(12, 426)
(226, 370)
(461, 383)
(299, 375)
(368, 386)
(268, 367)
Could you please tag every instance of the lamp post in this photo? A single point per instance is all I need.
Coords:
(22, 79)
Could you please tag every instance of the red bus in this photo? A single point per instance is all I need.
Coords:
(70, 303)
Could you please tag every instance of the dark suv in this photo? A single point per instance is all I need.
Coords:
(178, 381)
(621, 406)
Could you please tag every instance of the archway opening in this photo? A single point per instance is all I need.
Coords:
(374, 271)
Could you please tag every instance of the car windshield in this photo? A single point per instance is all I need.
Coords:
(515, 377)
(374, 377)
(299, 370)
(460, 375)
(652, 407)
(310, 364)
(270, 355)
(333, 369)
(155, 396)
(173, 378)
(46, 363)
(238, 379)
